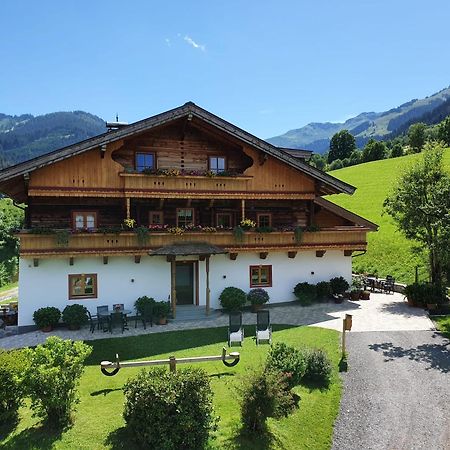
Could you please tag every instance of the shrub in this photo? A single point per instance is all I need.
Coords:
(144, 303)
(258, 296)
(323, 289)
(265, 393)
(306, 293)
(423, 293)
(46, 317)
(232, 299)
(338, 285)
(161, 309)
(288, 360)
(318, 367)
(75, 315)
(12, 366)
(169, 410)
(56, 365)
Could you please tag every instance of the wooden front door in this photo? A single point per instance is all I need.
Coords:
(185, 283)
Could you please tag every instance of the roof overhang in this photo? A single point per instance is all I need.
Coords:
(188, 249)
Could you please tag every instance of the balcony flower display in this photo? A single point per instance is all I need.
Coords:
(247, 224)
(129, 223)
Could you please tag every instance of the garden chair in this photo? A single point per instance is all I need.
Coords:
(118, 306)
(263, 326)
(102, 320)
(145, 317)
(388, 285)
(117, 317)
(93, 321)
(235, 328)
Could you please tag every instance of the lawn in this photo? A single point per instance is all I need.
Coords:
(9, 286)
(99, 423)
(443, 325)
(388, 251)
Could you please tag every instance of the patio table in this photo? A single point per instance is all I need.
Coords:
(108, 313)
(375, 283)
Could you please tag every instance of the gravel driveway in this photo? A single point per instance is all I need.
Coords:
(396, 393)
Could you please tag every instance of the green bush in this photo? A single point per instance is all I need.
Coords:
(75, 315)
(306, 293)
(288, 360)
(169, 410)
(323, 289)
(318, 367)
(12, 366)
(46, 317)
(232, 299)
(161, 309)
(265, 394)
(426, 293)
(338, 285)
(53, 376)
(258, 296)
(144, 304)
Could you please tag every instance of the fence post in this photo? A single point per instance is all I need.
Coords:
(173, 364)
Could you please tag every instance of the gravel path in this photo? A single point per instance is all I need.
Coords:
(396, 393)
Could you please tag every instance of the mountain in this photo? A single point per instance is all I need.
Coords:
(25, 137)
(367, 125)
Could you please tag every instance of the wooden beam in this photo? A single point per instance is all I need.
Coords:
(242, 209)
(292, 254)
(233, 256)
(263, 255)
(348, 252)
(71, 261)
(211, 203)
(208, 292)
(161, 203)
(105, 260)
(127, 200)
(35, 262)
(202, 257)
(188, 202)
(320, 253)
(170, 258)
(173, 288)
(137, 259)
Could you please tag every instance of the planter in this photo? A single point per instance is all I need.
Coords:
(162, 321)
(338, 298)
(73, 327)
(47, 329)
(256, 308)
(365, 295)
(355, 295)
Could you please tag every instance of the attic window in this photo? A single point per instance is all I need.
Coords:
(144, 161)
(217, 164)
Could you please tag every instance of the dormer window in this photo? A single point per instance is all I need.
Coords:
(217, 164)
(144, 160)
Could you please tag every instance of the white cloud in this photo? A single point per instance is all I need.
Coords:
(194, 44)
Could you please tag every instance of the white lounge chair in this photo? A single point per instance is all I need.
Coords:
(235, 328)
(263, 327)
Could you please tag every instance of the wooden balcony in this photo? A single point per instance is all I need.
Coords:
(126, 243)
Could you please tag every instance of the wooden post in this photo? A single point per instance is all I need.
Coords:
(343, 338)
(208, 292)
(173, 280)
(243, 209)
(173, 364)
(128, 207)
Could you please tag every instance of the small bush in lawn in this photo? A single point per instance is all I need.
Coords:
(12, 366)
(166, 410)
(265, 393)
(323, 290)
(53, 376)
(288, 360)
(318, 368)
(338, 285)
(232, 299)
(306, 293)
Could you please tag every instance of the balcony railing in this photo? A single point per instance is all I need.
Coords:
(41, 245)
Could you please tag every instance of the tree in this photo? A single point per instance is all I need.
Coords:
(374, 150)
(355, 157)
(318, 161)
(397, 150)
(416, 136)
(444, 131)
(336, 164)
(420, 204)
(342, 145)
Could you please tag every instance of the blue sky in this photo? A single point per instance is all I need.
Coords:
(267, 66)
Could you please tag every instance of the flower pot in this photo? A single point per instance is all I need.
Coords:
(162, 321)
(354, 295)
(74, 327)
(365, 295)
(47, 329)
(256, 307)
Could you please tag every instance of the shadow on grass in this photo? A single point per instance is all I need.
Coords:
(8, 427)
(260, 440)
(42, 437)
(120, 439)
(104, 392)
(148, 345)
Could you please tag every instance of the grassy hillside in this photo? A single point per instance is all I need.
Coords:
(388, 251)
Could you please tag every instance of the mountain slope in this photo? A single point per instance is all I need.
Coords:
(25, 137)
(388, 251)
(316, 136)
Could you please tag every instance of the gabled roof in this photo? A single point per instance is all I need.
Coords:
(188, 109)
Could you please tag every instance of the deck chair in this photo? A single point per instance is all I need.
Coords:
(235, 328)
(388, 285)
(102, 320)
(263, 326)
(93, 321)
(118, 318)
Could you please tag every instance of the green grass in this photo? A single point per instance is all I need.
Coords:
(388, 251)
(9, 286)
(8, 301)
(443, 325)
(99, 424)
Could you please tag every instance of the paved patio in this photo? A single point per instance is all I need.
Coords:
(383, 312)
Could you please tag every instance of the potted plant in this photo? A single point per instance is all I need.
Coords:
(257, 298)
(46, 318)
(247, 224)
(338, 286)
(143, 304)
(161, 310)
(355, 292)
(232, 299)
(306, 293)
(74, 316)
(323, 290)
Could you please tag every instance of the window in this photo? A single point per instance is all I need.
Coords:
(144, 161)
(216, 164)
(224, 220)
(84, 220)
(185, 217)
(264, 220)
(156, 218)
(260, 276)
(83, 286)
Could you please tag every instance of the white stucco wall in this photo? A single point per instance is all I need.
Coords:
(47, 284)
